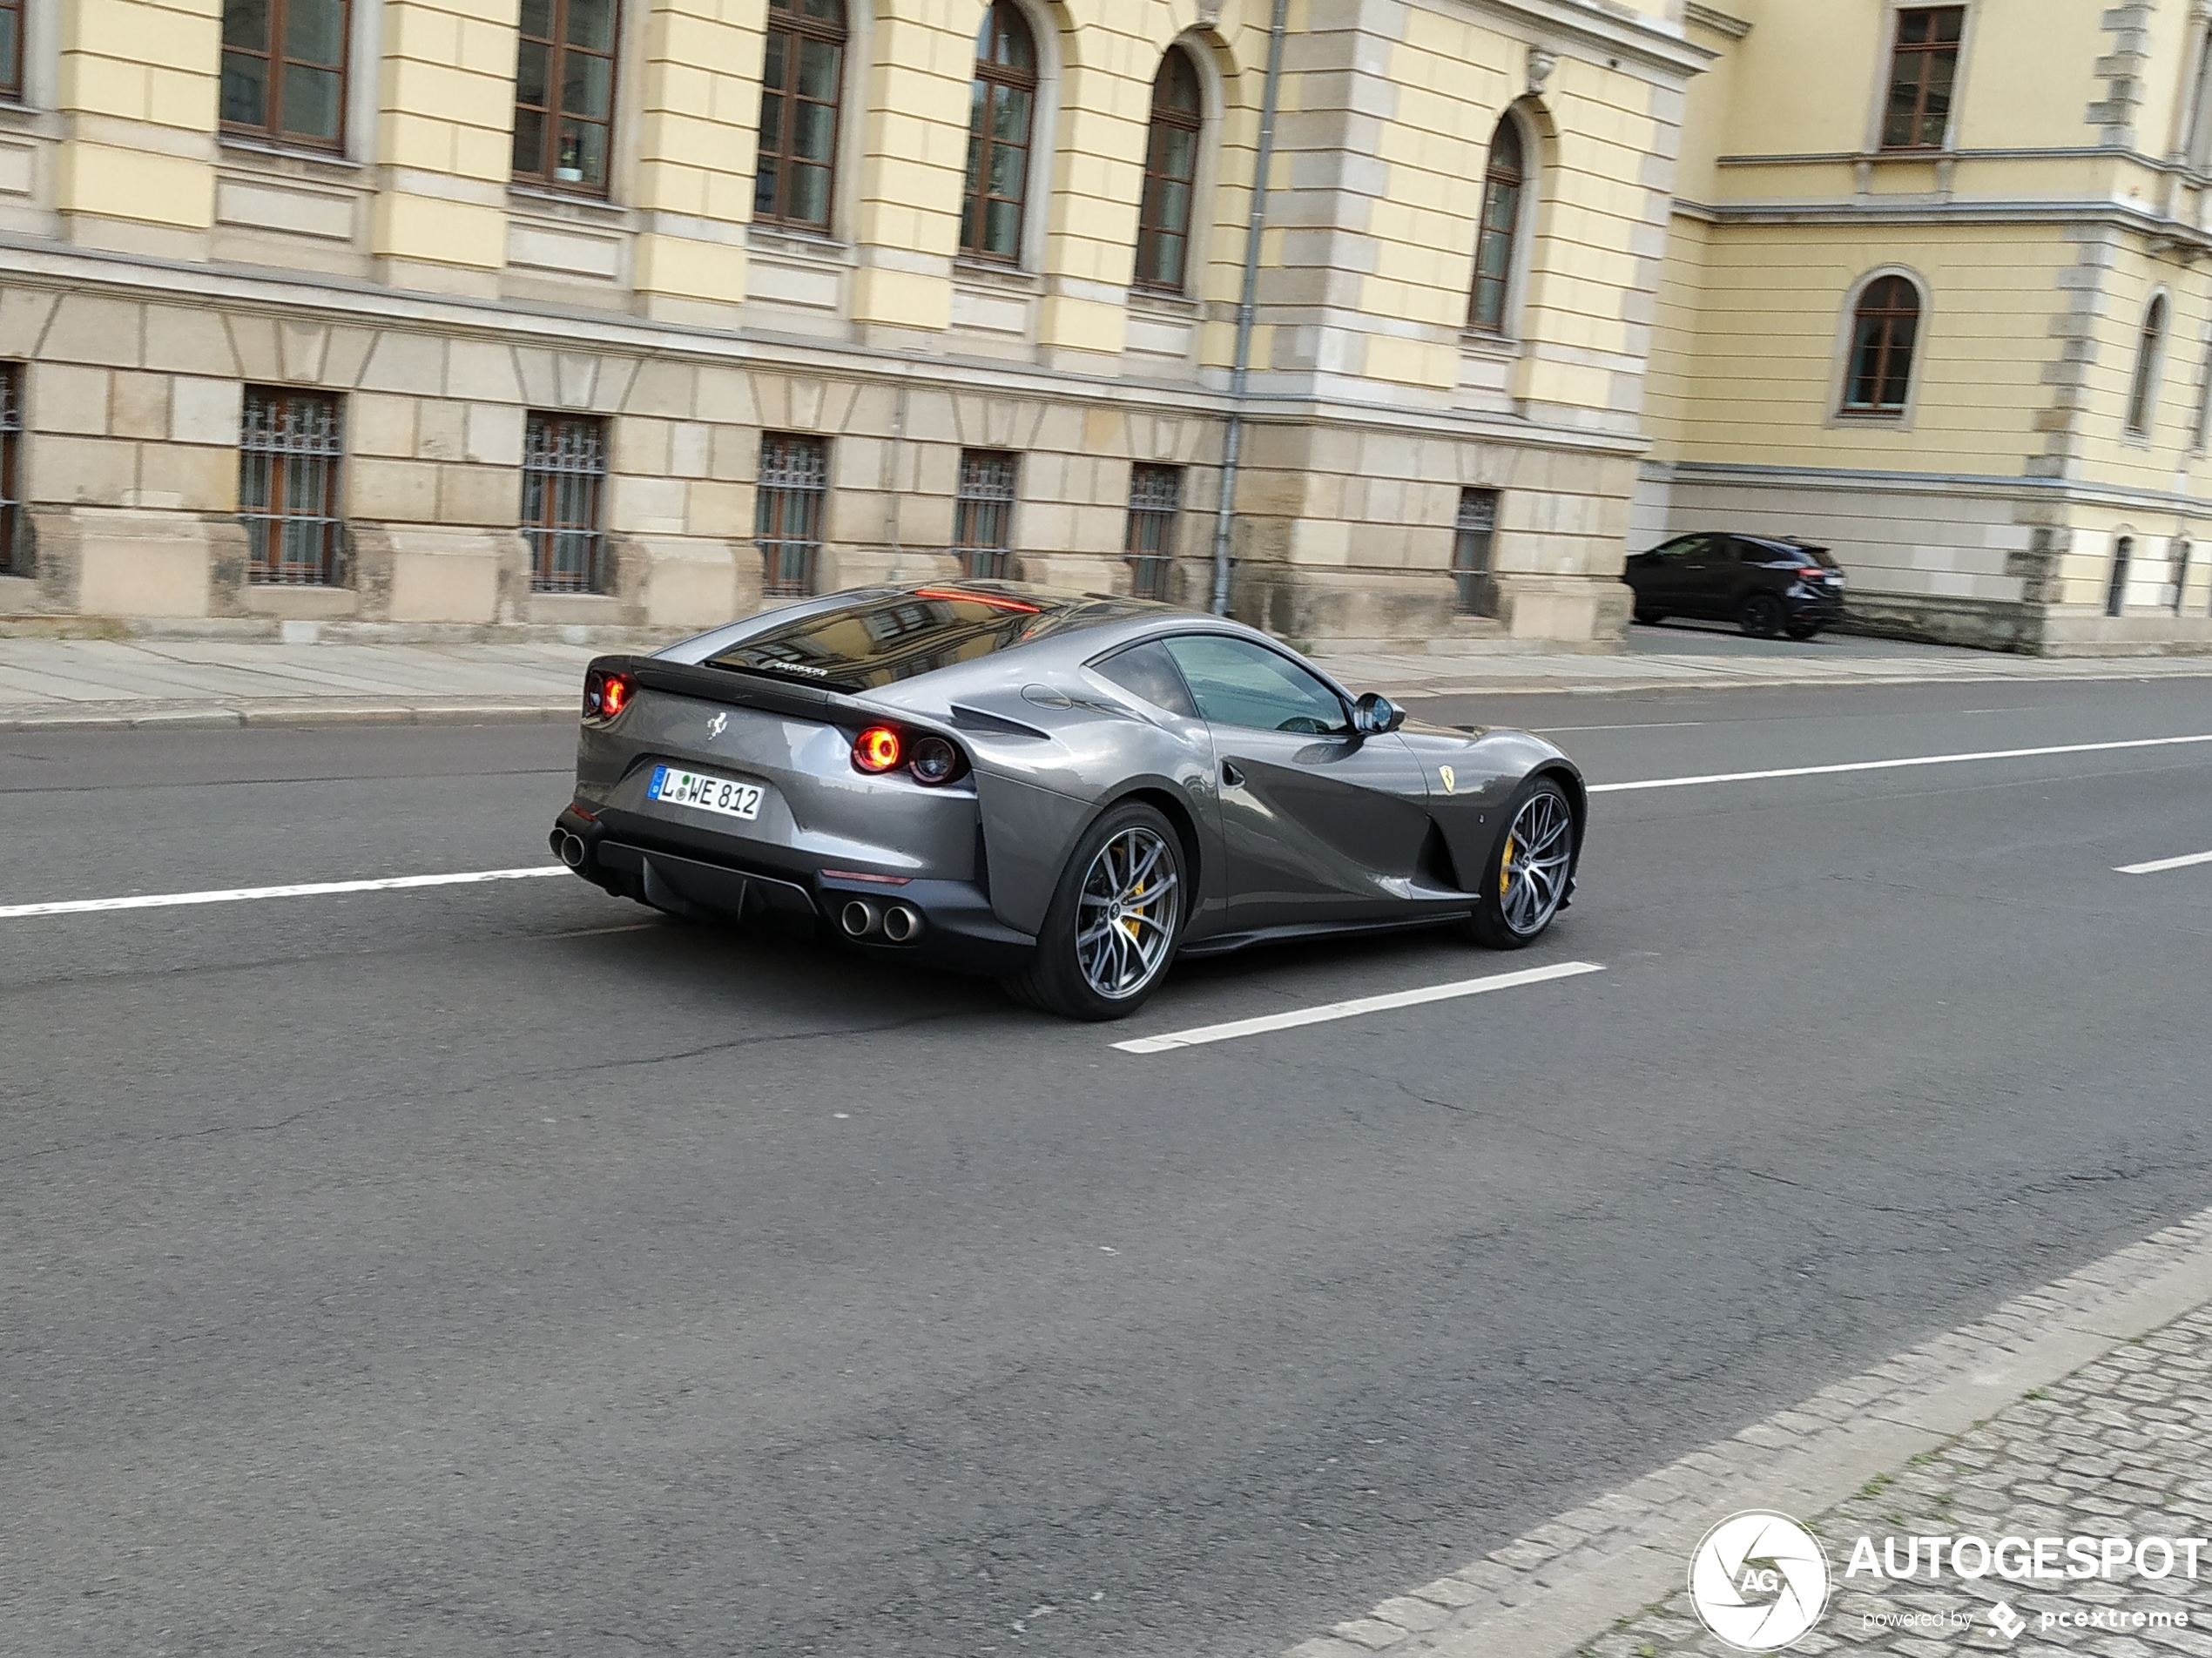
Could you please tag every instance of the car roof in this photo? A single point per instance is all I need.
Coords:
(1783, 545)
(869, 638)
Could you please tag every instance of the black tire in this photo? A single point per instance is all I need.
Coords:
(1803, 629)
(1761, 615)
(1504, 921)
(1055, 979)
(1650, 618)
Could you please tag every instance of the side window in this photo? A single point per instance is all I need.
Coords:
(1146, 670)
(1687, 548)
(1237, 682)
(1752, 552)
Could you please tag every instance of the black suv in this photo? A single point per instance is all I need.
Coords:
(1765, 586)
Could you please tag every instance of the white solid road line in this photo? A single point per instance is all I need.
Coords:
(2158, 864)
(240, 894)
(1236, 1027)
(1889, 766)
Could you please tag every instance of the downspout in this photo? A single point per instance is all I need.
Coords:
(1240, 374)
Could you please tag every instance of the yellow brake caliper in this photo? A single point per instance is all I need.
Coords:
(1505, 868)
(1129, 917)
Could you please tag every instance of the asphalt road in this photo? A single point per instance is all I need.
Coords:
(502, 1270)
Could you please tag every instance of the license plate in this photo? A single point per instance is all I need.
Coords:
(672, 786)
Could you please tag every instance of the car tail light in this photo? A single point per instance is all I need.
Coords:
(1811, 572)
(934, 761)
(877, 749)
(606, 695)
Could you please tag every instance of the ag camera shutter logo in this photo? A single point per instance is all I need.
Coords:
(1758, 1580)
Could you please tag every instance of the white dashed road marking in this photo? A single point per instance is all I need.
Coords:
(241, 894)
(2158, 864)
(1201, 1034)
(1891, 765)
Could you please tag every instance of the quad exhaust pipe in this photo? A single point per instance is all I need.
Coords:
(896, 923)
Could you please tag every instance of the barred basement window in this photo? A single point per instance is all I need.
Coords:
(1155, 501)
(1473, 535)
(787, 516)
(287, 487)
(564, 476)
(983, 513)
(12, 561)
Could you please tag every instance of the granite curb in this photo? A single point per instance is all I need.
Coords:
(196, 715)
(1566, 1583)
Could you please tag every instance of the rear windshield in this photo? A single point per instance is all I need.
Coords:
(1770, 552)
(903, 635)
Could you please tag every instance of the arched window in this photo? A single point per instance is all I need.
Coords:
(2123, 552)
(1885, 328)
(802, 81)
(1170, 172)
(1001, 116)
(1503, 188)
(2142, 390)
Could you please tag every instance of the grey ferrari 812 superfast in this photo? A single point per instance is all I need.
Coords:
(1064, 789)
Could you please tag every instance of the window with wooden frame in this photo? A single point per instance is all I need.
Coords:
(1155, 505)
(12, 561)
(2143, 386)
(1497, 239)
(564, 92)
(788, 513)
(1171, 175)
(289, 445)
(1002, 124)
(284, 71)
(983, 512)
(1924, 67)
(564, 486)
(12, 49)
(1885, 330)
(1475, 536)
(802, 82)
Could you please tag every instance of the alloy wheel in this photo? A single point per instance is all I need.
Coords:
(1126, 916)
(1532, 875)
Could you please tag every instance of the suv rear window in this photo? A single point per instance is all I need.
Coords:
(884, 637)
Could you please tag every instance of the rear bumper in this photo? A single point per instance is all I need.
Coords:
(958, 928)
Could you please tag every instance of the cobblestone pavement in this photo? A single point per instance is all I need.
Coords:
(2121, 1448)
(2081, 1408)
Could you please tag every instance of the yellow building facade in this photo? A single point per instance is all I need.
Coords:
(467, 314)
(1937, 297)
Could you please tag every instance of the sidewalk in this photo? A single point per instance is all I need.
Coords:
(51, 683)
(2079, 1411)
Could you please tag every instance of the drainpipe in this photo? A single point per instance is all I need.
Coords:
(1240, 374)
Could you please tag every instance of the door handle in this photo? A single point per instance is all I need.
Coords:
(1232, 776)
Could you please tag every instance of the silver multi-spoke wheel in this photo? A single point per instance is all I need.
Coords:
(1126, 915)
(1532, 872)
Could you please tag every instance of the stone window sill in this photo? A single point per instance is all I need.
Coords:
(277, 158)
(1162, 303)
(982, 274)
(1477, 342)
(797, 245)
(563, 203)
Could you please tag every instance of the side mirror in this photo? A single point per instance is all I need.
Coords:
(1374, 716)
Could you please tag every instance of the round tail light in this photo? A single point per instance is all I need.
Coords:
(877, 749)
(606, 695)
(934, 761)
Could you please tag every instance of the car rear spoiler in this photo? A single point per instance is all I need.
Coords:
(736, 686)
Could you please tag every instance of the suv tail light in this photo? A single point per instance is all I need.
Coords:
(605, 694)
